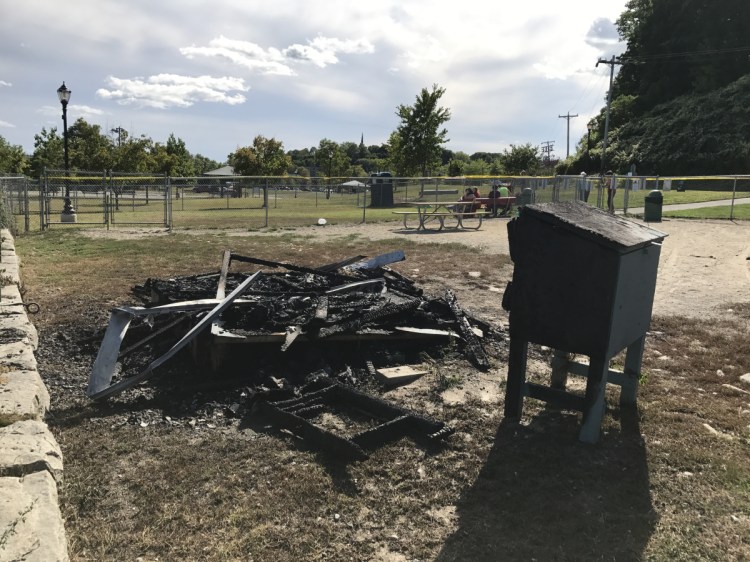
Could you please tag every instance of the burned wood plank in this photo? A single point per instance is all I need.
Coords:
(225, 261)
(338, 265)
(398, 422)
(96, 391)
(370, 284)
(381, 260)
(290, 267)
(153, 335)
(388, 310)
(474, 348)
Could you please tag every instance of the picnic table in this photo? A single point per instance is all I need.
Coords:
(497, 205)
(438, 215)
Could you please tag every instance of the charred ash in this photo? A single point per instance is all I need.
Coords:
(293, 331)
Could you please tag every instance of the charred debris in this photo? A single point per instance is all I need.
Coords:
(304, 341)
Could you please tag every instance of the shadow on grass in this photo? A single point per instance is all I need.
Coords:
(542, 495)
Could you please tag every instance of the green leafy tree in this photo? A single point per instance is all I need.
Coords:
(331, 159)
(702, 47)
(203, 164)
(173, 158)
(266, 157)
(48, 152)
(523, 159)
(88, 147)
(396, 159)
(421, 132)
(13, 160)
(134, 155)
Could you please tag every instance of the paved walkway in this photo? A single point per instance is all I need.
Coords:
(683, 206)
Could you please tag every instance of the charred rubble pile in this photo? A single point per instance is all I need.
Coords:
(313, 336)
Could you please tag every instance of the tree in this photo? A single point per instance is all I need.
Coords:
(89, 148)
(266, 157)
(704, 47)
(420, 134)
(134, 155)
(332, 159)
(203, 164)
(48, 152)
(521, 159)
(174, 159)
(13, 160)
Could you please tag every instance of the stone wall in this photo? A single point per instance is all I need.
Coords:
(31, 467)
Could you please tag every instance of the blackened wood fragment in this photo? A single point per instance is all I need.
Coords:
(473, 347)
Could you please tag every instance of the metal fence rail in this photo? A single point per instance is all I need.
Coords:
(111, 199)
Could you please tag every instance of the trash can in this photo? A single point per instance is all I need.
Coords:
(652, 210)
(526, 197)
(381, 189)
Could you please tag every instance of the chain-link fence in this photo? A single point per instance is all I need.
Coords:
(111, 199)
(719, 197)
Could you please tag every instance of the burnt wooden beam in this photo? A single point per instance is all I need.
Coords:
(474, 347)
(291, 267)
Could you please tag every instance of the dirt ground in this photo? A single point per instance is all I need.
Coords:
(165, 473)
(703, 265)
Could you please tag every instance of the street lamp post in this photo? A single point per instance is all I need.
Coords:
(68, 213)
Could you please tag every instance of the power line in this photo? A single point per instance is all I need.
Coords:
(636, 59)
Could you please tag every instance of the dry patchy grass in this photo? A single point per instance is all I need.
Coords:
(143, 481)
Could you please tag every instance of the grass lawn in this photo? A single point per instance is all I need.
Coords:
(147, 477)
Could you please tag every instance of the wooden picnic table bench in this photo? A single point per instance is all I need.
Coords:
(503, 205)
(438, 217)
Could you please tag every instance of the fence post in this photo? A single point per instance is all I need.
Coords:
(734, 193)
(364, 204)
(26, 217)
(265, 201)
(42, 195)
(628, 187)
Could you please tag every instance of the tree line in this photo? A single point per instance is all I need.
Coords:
(416, 147)
(681, 100)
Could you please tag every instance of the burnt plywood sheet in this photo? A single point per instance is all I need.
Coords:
(592, 223)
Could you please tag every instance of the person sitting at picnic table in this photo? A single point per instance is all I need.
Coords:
(468, 207)
(476, 193)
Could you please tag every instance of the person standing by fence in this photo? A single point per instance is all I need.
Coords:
(584, 188)
(610, 182)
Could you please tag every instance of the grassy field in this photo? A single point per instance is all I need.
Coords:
(159, 474)
(289, 209)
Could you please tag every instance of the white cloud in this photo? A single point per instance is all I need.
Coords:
(424, 50)
(74, 111)
(4, 83)
(243, 53)
(172, 90)
(6, 124)
(322, 51)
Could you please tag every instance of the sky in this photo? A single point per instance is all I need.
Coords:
(216, 74)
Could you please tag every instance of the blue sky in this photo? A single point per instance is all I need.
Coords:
(216, 74)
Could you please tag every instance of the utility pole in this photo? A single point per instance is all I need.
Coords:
(612, 62)
(567, 145)
(119, 131)
(547, 151)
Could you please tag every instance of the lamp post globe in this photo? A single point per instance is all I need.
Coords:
(68, 213)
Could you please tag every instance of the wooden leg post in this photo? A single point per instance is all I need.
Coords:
(594, 401)
(514, 389)
(633, 359)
